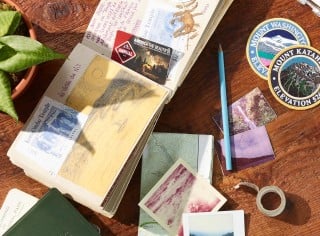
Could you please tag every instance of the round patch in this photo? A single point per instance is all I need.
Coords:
(294, 77)
(269, 38)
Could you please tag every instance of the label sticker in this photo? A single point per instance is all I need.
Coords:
(146, 57)
(269, 38)
(294, 77)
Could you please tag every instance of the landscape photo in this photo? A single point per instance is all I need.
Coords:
(221, 223)
(249, 112)
(248, 149)
(180, 191)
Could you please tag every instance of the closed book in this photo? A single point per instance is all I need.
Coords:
(52, 215)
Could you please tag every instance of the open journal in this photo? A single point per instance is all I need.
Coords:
(86, 135)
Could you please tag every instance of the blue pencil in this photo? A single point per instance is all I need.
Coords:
(224, 108)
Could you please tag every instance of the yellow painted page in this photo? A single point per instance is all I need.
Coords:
(120, 104)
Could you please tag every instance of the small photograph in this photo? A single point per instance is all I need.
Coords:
(221, 223)
(249, 148)
(179, 191)
(249, 112)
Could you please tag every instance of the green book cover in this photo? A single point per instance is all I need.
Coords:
(52, 215)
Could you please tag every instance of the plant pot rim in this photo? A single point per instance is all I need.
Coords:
(30, 73)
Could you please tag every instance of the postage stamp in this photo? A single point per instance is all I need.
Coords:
(51, 133)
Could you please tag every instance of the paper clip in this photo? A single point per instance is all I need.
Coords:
(314, 4)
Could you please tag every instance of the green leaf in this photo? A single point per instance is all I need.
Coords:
(9, 21)
(6, 52)
(6, 103)
(29, 52)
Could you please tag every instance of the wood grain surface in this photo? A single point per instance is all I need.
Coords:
(294, 135)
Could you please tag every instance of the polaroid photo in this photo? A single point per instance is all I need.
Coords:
(249, 112)
(180, 190)
(15, 205)
(248, 149)
(221, 223)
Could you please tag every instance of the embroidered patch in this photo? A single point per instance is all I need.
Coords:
(269, 38)
(294, 77)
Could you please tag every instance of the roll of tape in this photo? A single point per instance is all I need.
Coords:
(261, 193)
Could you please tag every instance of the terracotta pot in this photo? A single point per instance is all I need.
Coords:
(30, 73)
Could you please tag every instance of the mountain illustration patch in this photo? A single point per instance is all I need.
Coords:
(294, 77)
(268, 39)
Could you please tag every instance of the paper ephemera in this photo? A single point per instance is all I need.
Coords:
(214, 223)
(160, 153)
(250, 111)
(249, 148)
(49, 138)
(62, 139)
(179, 191)
(148, 58)
(16, 204)
(141, 18)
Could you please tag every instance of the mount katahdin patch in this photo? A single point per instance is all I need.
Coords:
(268, 39)
(294, 77)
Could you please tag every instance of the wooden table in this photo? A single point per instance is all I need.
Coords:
(294, 134)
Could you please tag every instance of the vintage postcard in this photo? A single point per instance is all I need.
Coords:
(249, 112)
(221, 223)
(179, 191)
(249, 148)
(143, 56)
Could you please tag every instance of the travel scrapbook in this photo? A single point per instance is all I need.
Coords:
(86, 135)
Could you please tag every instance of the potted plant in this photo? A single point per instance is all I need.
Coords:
(19, 53)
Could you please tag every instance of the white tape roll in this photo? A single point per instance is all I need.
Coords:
(261, 193)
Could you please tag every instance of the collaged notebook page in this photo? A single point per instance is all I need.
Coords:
(163, 23)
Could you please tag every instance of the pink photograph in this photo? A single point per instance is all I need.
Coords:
(180, 191)
(248, 149)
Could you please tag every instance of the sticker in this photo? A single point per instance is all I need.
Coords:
(269, 38)
(294, 77)
(146, 57)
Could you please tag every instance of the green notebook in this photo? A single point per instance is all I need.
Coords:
(52, 215)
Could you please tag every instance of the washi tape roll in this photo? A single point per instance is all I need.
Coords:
(264, 191)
